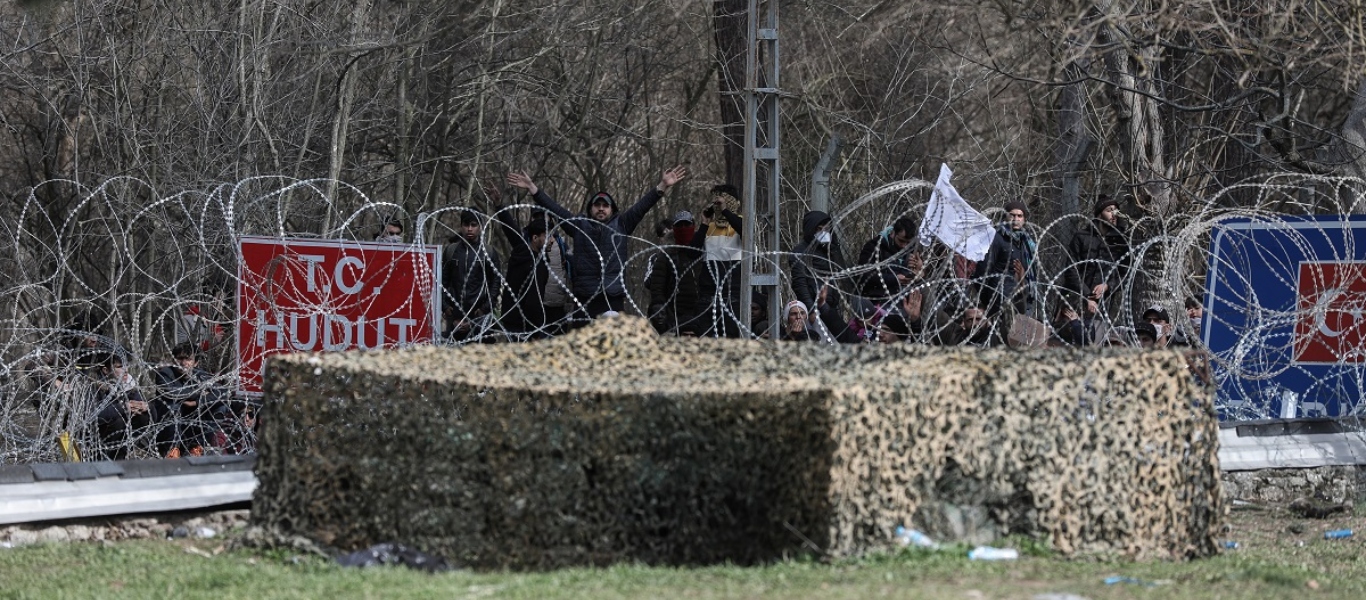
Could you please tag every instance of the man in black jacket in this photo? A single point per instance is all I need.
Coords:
(1097, 253)
(674, 282)
(524, 311)
(189, 406)
(817, 267)
(896, 259)
(601, 234)
(469, 276)
(817, 260)
(1007, 271)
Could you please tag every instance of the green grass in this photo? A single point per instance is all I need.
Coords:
(1270, 565)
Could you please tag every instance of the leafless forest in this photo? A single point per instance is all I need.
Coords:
(139, 136)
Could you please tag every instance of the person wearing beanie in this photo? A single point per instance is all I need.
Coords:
(1104, 202)
(1097, 255)
(1008, 273)
(797, 324)
(600, 234)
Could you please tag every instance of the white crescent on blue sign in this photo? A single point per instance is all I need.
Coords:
(1285, 316)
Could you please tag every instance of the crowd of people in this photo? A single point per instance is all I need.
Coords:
(83, 386)
(565, 268)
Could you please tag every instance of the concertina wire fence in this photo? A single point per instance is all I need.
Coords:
(95, 297)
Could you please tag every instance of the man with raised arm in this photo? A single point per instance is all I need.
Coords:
(600, 235)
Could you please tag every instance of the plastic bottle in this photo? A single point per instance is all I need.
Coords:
(1337, 534)
(1231, 545)
(989, 553)
(913, 537)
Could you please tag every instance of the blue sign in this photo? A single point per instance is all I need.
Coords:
(1285, 317)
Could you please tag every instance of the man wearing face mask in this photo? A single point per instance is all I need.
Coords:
(391, 233)
(817, 261)
(1196, 313)
(1166, 334)
(675, 303)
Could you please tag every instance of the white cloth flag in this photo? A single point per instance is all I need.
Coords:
(954, 222)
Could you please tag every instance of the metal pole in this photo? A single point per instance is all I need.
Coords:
(759, 265)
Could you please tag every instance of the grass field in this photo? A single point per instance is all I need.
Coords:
(1270, 563)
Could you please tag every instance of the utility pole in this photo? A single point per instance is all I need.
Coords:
(763, 171)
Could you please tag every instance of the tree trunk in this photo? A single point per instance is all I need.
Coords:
(1075, 140)
(1354, 145)
(346, 97)
(730, 26)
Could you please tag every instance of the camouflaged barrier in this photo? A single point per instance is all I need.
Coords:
(611, 444)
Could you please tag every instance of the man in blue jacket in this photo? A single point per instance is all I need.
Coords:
(600, 235)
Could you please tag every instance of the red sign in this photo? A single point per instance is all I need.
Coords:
(1330, 313)
(306, 295)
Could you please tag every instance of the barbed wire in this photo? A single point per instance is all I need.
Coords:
(102, 284)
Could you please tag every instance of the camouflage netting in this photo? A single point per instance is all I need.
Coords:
(613, 444)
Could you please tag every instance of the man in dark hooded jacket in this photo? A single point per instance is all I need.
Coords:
(600, 235)
(674, 282)
(816, 260)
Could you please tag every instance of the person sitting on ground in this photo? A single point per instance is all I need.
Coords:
(186, 405)
(975, 328)
(124, 414)
(893, 329)
(600, 235)
(1147, 335)
(1079, 330)
(758, 313)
